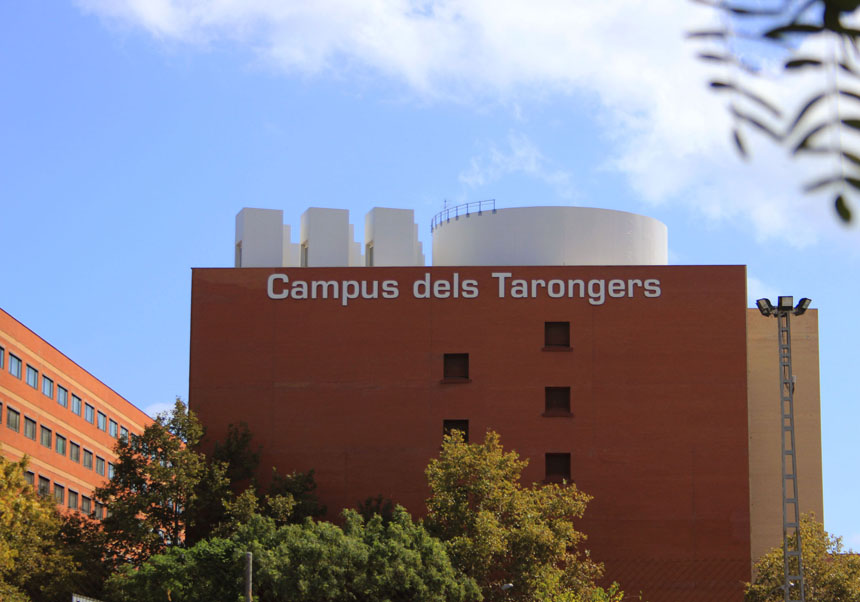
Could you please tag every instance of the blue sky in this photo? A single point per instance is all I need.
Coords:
(132, 132)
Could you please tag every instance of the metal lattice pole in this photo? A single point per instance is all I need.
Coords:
(791, 540)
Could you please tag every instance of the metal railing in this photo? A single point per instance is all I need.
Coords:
(464, 210)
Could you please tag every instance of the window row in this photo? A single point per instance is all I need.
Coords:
(56, 441)
(67, 497)
(63, 397)
(556, 465)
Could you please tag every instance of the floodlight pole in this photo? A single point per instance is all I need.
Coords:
(792, 547)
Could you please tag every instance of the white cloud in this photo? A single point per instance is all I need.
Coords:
(757, 289)
(670, 135)
(154, 409)
(522, 156)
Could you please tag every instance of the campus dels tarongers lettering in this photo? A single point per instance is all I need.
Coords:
(596, 290)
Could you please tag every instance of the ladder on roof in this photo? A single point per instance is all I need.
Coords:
(791, 541)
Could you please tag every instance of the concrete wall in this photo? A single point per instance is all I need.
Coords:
(259, 238)
(550, 236)
(325, 233)
(394, 237)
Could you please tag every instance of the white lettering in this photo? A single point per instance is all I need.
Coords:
(617, 288)
(325, 285)
(652, 288)
(390, 290)
(346, 287)
(470, 289)
(501, 276)
(631, 284)
(555, 288)
(270, 288)
(596, 294)
(300, 290)
(422, 284)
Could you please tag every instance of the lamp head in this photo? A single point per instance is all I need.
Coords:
(785, 303)
(802, 306)
(765, 307)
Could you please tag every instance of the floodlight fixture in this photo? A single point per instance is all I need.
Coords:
(802, 306)
(765, 307)
(785, 303)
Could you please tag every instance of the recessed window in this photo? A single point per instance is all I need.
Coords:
(29, 428)
(113, 428)
(556, 335)
(74, 452)
(89, 413)
(86, 504)
(557, 401)
(100, 465)
(558, 468)
(60, 445)
(100, 510)
(62, 396)
(44, 486)
(455, 367)
(73, 500)
(32, 377)
(449, 426)
(47, 387)
(111, 469)
(14, 365)
(123, 433)
(59, 493)
(76, 404)
(45, 436)
(2, 357)
(13, 419)
(30, 477)
(88, 459)
(102, 423)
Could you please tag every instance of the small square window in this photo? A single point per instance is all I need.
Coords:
(88, 459)
(44, 486)
(62, 396)
(13, 419)
(29, 428)
(102, 422)
(558, 468)
(30, 477)
(455, 367)
(32, 377)
(89, 413)
(76, 404)
(60, 445)
(59, 493)
(74, 452)
(47, 387)
(73, 500)
(45, 436)
(557, 401)
(15, 365)
(556, 335)
(449, 426)
(123, 433)
(86, 504)
(100, 466)
(113, 428)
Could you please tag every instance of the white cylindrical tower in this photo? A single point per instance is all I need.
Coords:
(466, 235)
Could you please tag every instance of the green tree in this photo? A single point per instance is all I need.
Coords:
(499, 532)
(830, 575)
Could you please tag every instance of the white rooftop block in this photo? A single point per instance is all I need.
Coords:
(292, 256)
(325, 238)
(391, 238)
(259, 238)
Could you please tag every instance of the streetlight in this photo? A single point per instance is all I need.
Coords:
(792, 571)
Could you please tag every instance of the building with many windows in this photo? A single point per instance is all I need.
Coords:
(60, 416)
(653, 387)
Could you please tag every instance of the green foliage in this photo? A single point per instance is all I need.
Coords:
(825, 123)
(499, 532)
(301, 487)
(830, 575)
(382, 506)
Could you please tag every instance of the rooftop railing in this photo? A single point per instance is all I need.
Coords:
(464, 210)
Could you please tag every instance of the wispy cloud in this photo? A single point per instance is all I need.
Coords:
(668, 134)
(520, 156)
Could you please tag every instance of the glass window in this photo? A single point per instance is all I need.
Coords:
(14, 365)
(123, 433)
(88, 459)
(74, 452)
(60, 444)
(102, 424)
(76, 404)
(44, 486)
(32, 377)
(47, 387)
(45, 436)
(13, 419)
(100, 465)
(113, 428)
(30, 477)
(89, 413)
(62, 396)
(59, 493)
(2, 357)
(29, 428)
(111, 469)
(100, 510)
(73, 499)
(86, 504)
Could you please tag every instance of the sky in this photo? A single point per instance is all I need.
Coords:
(133, 131)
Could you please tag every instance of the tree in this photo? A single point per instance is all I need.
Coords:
(827, 122)
(830, 575)
(499, 532)
(32, 564)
